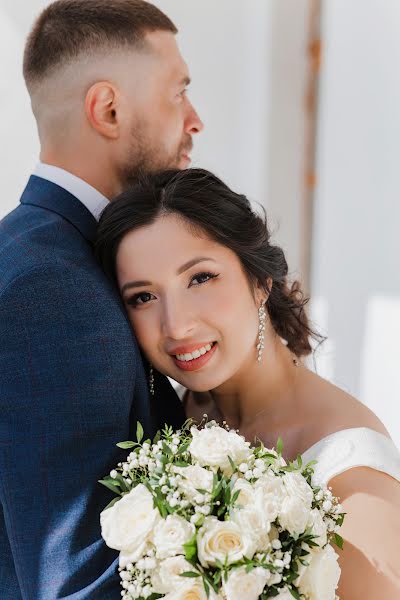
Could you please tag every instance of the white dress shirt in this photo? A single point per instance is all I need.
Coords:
(94, 201)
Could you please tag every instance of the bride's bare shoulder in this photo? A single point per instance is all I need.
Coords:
(330, 409)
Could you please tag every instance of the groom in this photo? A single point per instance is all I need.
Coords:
(108, 91)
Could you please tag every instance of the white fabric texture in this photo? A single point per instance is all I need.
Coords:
(348, 448)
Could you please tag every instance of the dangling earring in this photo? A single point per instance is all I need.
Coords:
(151, 380)
(261, 328)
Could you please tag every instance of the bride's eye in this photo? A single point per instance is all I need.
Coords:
(139, 299)
(202, 278)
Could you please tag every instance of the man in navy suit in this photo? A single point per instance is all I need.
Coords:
(108, 91)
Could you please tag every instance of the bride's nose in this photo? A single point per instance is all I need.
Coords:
(177, 319)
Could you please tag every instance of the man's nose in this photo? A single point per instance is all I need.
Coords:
(193, 123)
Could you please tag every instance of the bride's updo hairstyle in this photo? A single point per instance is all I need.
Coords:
(211, 208)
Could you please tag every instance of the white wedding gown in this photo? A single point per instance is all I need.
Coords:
(348, 448)
(345, 449)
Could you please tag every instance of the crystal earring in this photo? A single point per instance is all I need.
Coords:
(151, 380)
(261, 329)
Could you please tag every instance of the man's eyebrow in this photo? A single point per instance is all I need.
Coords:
(182, 269)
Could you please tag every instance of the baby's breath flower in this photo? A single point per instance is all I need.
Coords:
(114, 474)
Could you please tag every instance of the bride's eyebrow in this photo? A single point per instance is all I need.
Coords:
(191, 263)
(182, 269)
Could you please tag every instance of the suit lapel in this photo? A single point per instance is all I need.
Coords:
(45, 194)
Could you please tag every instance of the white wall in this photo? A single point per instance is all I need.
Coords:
(356, 247)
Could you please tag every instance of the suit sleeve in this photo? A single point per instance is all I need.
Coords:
(56, 436)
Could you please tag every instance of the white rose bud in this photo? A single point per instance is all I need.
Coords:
(296, 486)
(126, 526)
(194, 478)
(318, 527)
(167, 576)
(241, 585)
(284, 595)
(294, 515)
(170, 534)
(212, 446)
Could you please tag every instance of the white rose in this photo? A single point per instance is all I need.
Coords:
(273, 493)
(247, 493)
(318, 527)
(297, 486)
(223, 540)
(127, 525)
(194, 478)
(293, 515)
(170, 534)
(211, 447)
(255, 518)
(241, 585)
(167, 576)
(192, 590)
(283, 595)
(320, 579)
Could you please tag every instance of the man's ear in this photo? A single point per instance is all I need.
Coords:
(101, 108)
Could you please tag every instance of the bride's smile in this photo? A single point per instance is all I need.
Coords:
(193, 309)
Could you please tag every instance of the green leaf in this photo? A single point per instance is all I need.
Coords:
(111, 486)
(110, 504)
(126, 445)
(279, 446)
(235, 496)
(190, 549)
(139, 432)
(338, 541)
(166, 449)
(233, 466)
(190, 574)
(206, 587)
(294, 593)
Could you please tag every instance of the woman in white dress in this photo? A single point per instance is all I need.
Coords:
(208, 298)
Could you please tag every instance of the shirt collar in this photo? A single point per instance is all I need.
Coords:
(94, 201)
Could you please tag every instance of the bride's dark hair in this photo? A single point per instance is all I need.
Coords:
(208, 205)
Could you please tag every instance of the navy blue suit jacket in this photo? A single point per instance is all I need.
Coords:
(72, 385)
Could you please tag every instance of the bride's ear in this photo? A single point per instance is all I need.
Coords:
(262, 292)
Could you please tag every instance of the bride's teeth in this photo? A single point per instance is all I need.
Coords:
(195, 354)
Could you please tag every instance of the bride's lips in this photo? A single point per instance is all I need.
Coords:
(195, 363)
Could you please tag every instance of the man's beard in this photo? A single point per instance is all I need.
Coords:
(144, 158)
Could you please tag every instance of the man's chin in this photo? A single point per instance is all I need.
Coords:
(184, 162)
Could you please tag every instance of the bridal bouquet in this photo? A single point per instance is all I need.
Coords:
(201, 514)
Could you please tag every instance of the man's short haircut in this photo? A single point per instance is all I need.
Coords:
(70, 29)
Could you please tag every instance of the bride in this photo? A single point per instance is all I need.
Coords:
(208, 298)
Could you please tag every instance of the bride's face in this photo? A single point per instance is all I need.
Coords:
(190, 303)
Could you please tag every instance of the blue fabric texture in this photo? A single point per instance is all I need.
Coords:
(72, 385)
